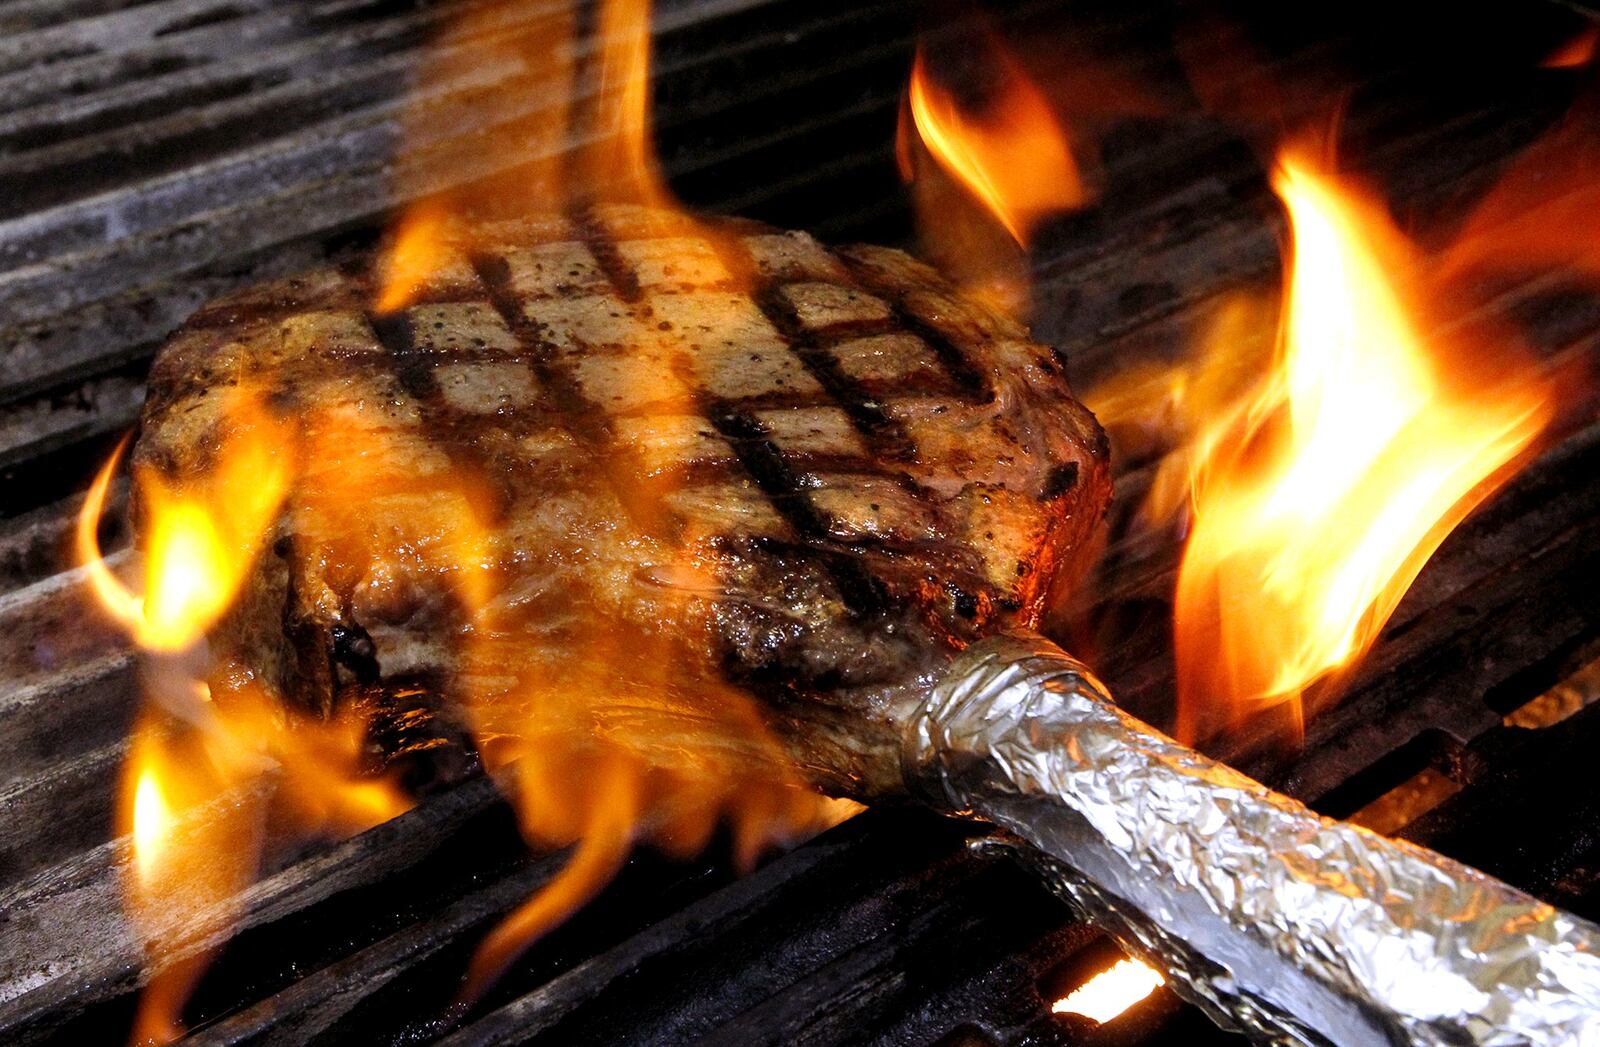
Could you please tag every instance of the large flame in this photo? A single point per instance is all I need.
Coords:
(212, 738)
(1317, 499)
(618, 741)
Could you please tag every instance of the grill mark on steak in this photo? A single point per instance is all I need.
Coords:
(765, 464)
(396, 335)
(773, 471)
(883, 434)
(886, 436)
(786, 490)
(414, 371)
(579, 415)
(582, 417)
(968, 377)
(616, 268)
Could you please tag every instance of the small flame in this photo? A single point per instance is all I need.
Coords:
(1112, 991)
(200, 541)
(152, 821)
(617, 743)
(1167, 410)
(497, 57)
(1014, 157)
(986, 168)
(1318, 498)
(417, 253)
(620, 163)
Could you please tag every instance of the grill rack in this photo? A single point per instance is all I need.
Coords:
(896, 926)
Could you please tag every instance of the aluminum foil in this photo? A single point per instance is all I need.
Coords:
(1286, 925)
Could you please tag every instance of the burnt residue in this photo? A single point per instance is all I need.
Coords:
(1061, 479)
(350, 647)
(413, 733)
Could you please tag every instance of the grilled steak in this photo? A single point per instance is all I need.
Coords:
(698, 454)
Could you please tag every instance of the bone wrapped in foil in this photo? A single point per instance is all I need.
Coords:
(1281, 923)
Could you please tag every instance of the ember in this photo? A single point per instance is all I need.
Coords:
(1112, 991)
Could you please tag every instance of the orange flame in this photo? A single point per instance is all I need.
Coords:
(1319, 497)
(604, 743)
(1166, 410)
(1014, 158)
(1544, 211)
(511, 67)
(1112, 991)
(200, 543)
(621, 739)
(619, 163)
(585, 136)
(416, 254)
(195, 795)
(210, 732)
(986, 168)
(1578, 51)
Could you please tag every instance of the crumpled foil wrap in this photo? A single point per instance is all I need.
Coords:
(1280, 923)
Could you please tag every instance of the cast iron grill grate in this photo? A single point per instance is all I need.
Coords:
(156, 154)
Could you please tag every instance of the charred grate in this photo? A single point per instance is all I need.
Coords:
(157, 164)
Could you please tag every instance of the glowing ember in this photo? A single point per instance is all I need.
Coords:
(1112, 991)
(1578, 51)
(1318, 498)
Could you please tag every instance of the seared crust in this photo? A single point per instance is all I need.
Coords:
(817, 472)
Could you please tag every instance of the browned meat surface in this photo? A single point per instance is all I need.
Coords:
(697, 455)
